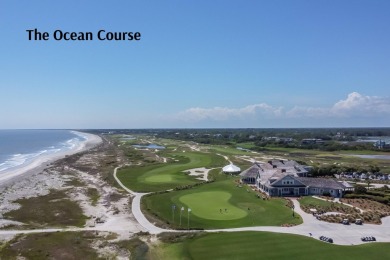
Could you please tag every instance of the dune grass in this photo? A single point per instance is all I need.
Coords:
(54, 210)
(264, 245)
(59, 245)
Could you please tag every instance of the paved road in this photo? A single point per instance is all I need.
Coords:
(136, 209)
(341, 234)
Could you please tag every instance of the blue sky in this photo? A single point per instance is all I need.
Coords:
(198, 64)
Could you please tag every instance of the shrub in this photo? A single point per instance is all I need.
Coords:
(359, 189)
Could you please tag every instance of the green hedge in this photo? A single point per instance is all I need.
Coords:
(385, 200)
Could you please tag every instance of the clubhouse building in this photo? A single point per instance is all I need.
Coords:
(280, 178)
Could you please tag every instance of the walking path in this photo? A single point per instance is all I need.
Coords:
(341, 234)
(136, 209)
(226, 158)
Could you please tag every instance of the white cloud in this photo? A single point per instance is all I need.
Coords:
(354, 106)
(307, 112)
(225, 113)
(357, 103)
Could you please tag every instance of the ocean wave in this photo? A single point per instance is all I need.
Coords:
(20, 159)
(80, 134)
(71, 143)
(17, 160)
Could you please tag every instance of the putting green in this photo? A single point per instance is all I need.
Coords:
(159, 178)
(212, 205)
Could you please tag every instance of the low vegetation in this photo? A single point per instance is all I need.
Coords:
(60, 245)
(372, 211)
(52, 210)
(93, 195)
(73, 245)
(381, 195)
(322, 206)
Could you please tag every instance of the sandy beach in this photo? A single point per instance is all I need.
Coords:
(107, 209)
(39, 164)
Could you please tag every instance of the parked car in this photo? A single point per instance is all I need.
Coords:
(358, 221)
(345, 221)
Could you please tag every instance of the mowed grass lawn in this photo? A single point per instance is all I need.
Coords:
(160, 177)
(264, 245)
(220, 204)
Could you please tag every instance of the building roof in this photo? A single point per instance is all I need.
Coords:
(321, 183)
(231, 168)
(346, 184)
(274, 170)
(251, 172)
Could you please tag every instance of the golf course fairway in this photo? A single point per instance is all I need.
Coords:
(164, 176)
(265, 245)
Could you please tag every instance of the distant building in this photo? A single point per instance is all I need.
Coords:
(278, 139)
(312, 141)
(381, 144)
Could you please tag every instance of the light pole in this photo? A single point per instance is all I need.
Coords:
(293, 209)
(181, 210)
(188, 224)
(173, 213)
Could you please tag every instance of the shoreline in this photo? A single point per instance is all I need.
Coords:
(41, 163)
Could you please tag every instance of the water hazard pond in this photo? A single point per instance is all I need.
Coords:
(371, 156)
(149, 146)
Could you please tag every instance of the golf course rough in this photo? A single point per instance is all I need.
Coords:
(212, 205)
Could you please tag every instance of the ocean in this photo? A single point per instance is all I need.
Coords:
(20, 147)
